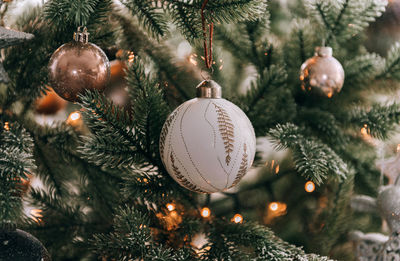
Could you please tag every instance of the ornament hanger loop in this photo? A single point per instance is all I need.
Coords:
(207, 49)
(81, 36)
(206, 75)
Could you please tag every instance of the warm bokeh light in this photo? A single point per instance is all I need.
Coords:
(75, 119)
(273, 206)
(274, 166)
(6, 126)
(278, 207)
(398, 148)
(274, 210)
(171, 219)
(131, 57)
(309, 186)
(74, 116)
(205, 212)
(192, 59)
(171, 207)
(36, 215)
(364, 130)
(237, 218)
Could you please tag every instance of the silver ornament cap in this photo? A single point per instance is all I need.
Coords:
(323, 51)
(209, 89)
(322, 73)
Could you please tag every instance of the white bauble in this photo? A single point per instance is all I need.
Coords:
(207, 144)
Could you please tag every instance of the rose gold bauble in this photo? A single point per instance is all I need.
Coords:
(78, 66)
(322, 73)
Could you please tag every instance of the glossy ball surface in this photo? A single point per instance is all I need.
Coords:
(75, 67)
(322, 73)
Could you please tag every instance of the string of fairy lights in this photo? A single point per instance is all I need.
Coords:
(275, 208)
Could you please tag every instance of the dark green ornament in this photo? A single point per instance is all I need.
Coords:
(18, 245)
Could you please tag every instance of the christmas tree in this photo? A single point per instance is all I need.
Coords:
(99, 185)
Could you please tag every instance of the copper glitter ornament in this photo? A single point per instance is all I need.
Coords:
(322, 73)
(78, 66)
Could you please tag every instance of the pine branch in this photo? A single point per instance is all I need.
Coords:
(362, 69)
(337, 217)
(379, 119)
(345, 19)
(236, 10)
(224, 10)
(186, 14)
(391, 68)
(256, 31)
(53, 207)
(130, 237)
(248, 241)
(63, 219)
(324, 12)
(73, 12)
(113, 143)
(268, 101)
(176, 77)
(148, 16)
(324, 125)
(149, 108)
(312, 158)
(15, 163)
(51, 178)
(274, 77)
(234, 41)
(357, 17)
(299, 47)
(188, 22)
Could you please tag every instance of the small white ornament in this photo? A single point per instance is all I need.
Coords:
(207, 144)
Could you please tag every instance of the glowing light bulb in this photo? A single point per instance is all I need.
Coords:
(237, 218)
(7, 126)
(364, 130)
(171, 207)
(273, 206)
(131, 57)
(74, 116)
(205, 212)
(309, 186)
(36, 215)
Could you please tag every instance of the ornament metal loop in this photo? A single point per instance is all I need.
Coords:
(205, 76)
(323, 51)
(81, 36)
(209, 89)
